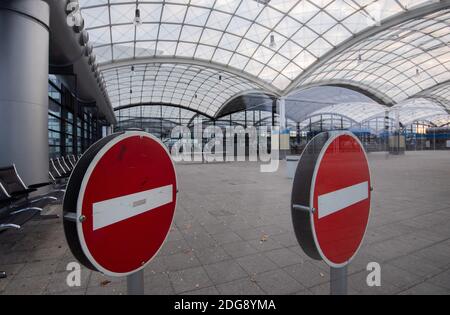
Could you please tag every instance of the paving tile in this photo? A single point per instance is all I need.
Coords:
(286, 239)
(418, 265)
(174, 247)
(250, 234)
(425, 288)
(278, 282)
(58, 284)
(110, 289)
(211, 255)
(204, 291)
(246, 286)
(181, 261)
(264, 245)
(40, 268)
(226, 237)
(189, 279)
(256, 263)
(198, 242)
(225, 271)
(307, 274)
(401, 278)
(158, 284)
(358, 282)
(27, 286)
(239, 249)
(438, 254)
(283, 257)
(442, 280)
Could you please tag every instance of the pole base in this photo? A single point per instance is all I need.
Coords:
(338, 281)
(135, 283)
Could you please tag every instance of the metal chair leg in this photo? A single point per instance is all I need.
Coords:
(26, 210)
(49, 198)
(4, 227)
(3, 275)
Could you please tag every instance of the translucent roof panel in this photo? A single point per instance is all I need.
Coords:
(441, 120)
(197, 88)
(273, 41)
(440, 94)
(398, 63)
(418, 109)
(358, 111)
(154, 111)
(303, 103)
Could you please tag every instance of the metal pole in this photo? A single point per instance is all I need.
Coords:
(135, 283)
(338, 281)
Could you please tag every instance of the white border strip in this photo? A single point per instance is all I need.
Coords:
(112, 211)
(338, 200)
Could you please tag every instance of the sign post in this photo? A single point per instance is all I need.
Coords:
(135, 283)
(338, 281)
(331, 202)
(119, 205)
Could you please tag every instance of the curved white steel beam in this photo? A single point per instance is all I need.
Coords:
(268, 88)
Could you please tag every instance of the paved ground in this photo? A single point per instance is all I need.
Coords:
(233, 235)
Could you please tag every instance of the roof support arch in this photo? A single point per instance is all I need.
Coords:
(269, 88)
(377, 96)
(162, 104)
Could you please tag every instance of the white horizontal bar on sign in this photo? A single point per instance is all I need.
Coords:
(112, 211)
(343, 198)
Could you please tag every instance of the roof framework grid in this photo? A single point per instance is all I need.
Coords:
(194, 87)
(440, 121)
(439, 93)
(417, 109)
(271, 45)
(356, 111)
(398, 63)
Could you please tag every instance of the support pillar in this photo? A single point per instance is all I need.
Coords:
(24, 63)
(284, 133)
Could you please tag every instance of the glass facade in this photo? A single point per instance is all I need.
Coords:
(72, 128)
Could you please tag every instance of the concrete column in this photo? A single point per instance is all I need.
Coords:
(24, 66)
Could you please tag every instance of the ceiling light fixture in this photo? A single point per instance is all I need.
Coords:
(272, 44)
(137, 18)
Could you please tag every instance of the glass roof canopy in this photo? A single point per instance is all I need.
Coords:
(440, 94)
(269, 46)
(198, 88)
(409, 111)
(416, 110)
(358, 111)
(398, 63)
(169, 113)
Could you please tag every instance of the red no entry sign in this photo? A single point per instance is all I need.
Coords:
(331, 198)
(120, 203)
